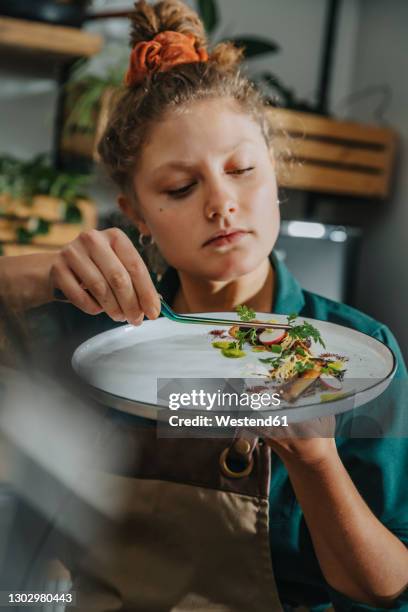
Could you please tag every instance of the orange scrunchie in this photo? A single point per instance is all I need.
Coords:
(166, 50)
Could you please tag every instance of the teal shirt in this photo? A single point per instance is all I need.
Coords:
(377, 465)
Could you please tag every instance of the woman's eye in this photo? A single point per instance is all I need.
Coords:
(182, 191)
(241, 170)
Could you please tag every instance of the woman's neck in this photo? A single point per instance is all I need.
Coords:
(254, 289)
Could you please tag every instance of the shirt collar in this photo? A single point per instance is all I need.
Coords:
(289, 296)
(288, 293)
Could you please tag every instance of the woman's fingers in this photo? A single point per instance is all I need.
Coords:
(91, 278)
(115, 275)
(63, 278)
(102, 271)
(146, 293)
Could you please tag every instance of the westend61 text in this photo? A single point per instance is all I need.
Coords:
(228, 421)
(221, 399)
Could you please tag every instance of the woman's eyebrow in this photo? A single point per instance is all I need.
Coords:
(174, 164)
(187, 164)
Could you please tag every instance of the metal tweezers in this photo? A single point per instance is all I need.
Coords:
(169, 313)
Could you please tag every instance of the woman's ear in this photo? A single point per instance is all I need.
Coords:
(128, 208)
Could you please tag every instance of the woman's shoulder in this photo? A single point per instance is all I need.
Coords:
(326, 309)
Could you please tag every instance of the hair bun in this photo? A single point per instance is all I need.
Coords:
(148, 20)
(226, 56)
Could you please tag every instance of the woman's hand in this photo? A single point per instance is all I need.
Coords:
(309, 443)
(102, 271)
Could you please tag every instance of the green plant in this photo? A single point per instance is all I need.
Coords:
(84, 93)
(253, 46)
(88, 81)
(26, 179)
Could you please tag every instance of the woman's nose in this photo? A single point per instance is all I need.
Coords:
(220, 201)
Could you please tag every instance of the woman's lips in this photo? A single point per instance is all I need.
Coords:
(231, 238)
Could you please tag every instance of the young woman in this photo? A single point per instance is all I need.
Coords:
(191, 150)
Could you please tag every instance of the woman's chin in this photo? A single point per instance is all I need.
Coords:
(231, 267)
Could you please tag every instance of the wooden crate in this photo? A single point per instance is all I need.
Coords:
(60, 232)
(336, 157)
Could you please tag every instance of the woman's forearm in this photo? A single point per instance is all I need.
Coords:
(24, 280)
(359, 557)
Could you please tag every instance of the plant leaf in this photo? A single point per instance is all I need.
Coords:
(255, 46)
(209, 14)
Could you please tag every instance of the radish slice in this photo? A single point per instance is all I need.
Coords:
(272, 336)
(331, 382)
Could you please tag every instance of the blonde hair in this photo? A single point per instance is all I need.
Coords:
(139, 106)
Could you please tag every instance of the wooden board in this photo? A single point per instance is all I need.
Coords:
(328, 156)
(307, 177)
(43, 206)
(47, 207)
(30, 36)
(13, 248)
(59, 233)
(317, 125)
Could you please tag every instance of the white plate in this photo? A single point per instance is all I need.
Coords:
(122, 365)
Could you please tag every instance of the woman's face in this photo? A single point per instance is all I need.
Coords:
(206, 191)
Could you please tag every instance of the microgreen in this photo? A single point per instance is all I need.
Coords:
(304, 332)
(245, 313)
(245, 335)
(301, 367)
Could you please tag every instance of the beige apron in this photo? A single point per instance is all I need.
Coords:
(178, 527)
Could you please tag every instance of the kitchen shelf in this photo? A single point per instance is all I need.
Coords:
(58, 41)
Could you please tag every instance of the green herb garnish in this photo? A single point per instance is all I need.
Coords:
(247, 335)
(304, 332)
(245, 313)
(273, 361)
(303, 367)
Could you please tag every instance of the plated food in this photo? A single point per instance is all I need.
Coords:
(291, 362)
(123, 366)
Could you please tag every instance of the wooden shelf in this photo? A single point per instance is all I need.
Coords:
(59, 41)
(15, 214)
(335, 157)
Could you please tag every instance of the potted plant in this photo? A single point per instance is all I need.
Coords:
(62, 12)
(88, 95)
(40, 205)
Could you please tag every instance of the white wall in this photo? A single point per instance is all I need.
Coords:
(27, 109)
(382, 58)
